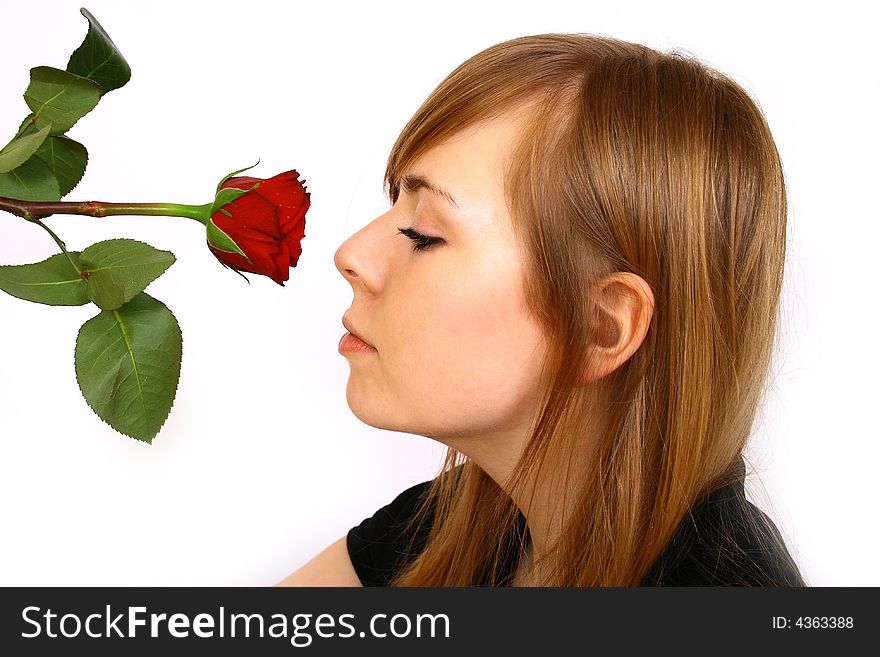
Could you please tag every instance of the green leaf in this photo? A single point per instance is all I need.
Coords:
(27, 126)
(60, 98)
(127, 365)
(219, 239)
(117, 270)
(67, 159)
(32, 181)
(19, 150)
(28, 123)
(53, 281)
(98, 58)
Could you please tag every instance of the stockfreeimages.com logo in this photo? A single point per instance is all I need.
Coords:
(298, 628)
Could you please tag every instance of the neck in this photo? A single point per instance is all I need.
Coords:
(547, 498)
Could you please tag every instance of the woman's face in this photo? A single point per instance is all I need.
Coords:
(457, 356)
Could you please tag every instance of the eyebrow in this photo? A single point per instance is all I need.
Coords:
(413, 182)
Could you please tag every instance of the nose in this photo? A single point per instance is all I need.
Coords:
(356, 256)
(343, 259)
(360, 259)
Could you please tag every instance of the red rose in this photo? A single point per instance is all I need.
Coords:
(267, 223)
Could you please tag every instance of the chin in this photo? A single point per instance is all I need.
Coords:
(364, 409)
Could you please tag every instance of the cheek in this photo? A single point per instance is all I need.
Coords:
(468, 346)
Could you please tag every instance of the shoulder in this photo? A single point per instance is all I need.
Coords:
(725, 540)
(379, 544)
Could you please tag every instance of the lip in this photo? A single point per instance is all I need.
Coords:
(351, 344)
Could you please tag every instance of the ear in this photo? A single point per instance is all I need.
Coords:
(626, 306)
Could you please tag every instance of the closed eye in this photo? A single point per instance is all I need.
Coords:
(420, 242)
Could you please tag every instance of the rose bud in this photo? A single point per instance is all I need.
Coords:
(256, 225)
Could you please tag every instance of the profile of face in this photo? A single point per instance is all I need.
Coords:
(457, 354)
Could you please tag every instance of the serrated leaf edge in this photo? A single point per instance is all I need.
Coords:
(149, 441)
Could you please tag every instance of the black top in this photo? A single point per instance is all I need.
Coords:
(725, 541)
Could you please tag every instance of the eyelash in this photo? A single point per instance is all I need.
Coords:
(420, 242)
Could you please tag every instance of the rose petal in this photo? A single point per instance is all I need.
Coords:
(267, 223)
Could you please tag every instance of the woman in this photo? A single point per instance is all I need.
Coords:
(575, 290)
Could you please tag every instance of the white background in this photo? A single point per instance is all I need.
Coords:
(261, 463)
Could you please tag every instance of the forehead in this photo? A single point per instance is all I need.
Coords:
(470, 164)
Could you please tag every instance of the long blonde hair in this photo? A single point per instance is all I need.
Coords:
(637, 161)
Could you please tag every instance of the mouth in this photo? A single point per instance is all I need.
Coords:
(350, 344)
(349, 328)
